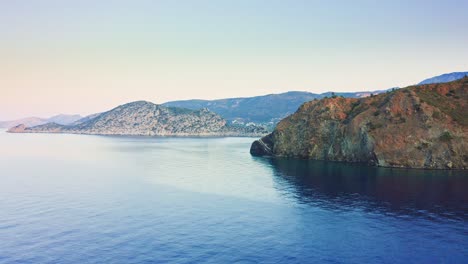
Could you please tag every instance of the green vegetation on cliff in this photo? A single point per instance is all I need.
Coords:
(422, 126)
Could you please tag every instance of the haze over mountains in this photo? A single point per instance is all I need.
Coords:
(35, 121)
(266, 110)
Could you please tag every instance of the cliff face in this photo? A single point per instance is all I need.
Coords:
(148, 119)
(423, 126)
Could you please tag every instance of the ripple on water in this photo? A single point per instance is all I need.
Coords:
(169, 200)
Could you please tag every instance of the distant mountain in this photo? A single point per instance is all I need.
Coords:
(269, 108)
(84, 119)
(35, 121)
(422, 126)
(147, 119)
(64, 119)
(448, 77)
(28, 121)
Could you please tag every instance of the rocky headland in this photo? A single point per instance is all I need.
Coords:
(423, 126)
(144, 118)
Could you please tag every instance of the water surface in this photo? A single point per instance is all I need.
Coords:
(95, 199)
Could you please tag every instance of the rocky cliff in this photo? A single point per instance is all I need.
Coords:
(148, 119)
(424, 126)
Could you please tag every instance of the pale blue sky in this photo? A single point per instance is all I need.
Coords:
(87, 56)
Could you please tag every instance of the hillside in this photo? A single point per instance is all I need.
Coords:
(85, 119)
(423, 126)
(269, 108)
(148, 119)
(63, 119)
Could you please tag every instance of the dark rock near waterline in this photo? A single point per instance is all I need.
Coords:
(262, 147)
(423, 126)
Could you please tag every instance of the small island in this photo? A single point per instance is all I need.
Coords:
(142, 118)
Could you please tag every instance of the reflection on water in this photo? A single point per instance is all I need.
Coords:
(94, 199)
(394, 191)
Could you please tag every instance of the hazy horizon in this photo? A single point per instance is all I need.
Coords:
(84, 114)
(85, 57)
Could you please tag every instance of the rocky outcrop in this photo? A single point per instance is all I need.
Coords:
(147, 119)
(423, 126)
(17, 129)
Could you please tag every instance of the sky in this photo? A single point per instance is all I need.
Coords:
(87, 56)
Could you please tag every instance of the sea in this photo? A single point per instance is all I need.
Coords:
(118, 199)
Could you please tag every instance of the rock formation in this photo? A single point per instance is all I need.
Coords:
(424, 126)
(147, 119)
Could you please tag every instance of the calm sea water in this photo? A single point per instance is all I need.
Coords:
(95, 199)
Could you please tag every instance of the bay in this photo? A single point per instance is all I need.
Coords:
(104, 199)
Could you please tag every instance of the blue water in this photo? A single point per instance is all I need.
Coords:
(95, 199)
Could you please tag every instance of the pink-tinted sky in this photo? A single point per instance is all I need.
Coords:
(88, 56)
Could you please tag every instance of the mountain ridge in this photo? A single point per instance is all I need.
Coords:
(446, 77)
(62, 119)
(143, 118)
(266, 110)
(269, 108)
